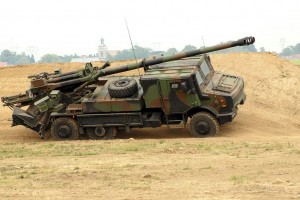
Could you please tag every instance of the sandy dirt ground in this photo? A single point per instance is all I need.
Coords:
(255, 157)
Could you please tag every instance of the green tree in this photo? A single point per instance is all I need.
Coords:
(142, 52)
(8, 56)
(287, 51)
(50, 58)
(53, 58)
(262, 49)
(22, 59)
(12, 58)
(127, 54)
(237, 49)
(124, 55)
(109, 57)
(32, 60)
(296, 49)
(250, 48)
(188, 48)
(171, 51)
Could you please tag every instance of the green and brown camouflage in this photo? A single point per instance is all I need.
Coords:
(172, 90)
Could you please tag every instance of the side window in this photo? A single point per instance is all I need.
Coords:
(181, 85)
(199, 78)
(205, 68)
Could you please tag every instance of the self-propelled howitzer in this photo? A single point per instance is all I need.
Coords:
(187, 92)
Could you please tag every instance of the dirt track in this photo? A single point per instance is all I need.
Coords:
(255, 157)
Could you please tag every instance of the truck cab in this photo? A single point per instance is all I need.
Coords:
(185, 87)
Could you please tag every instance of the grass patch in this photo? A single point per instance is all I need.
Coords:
(6, 181)
(297, 151)
(208, 167)
(295, 62)
(238, 179)
(91, 148)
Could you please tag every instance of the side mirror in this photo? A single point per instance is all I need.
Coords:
(184, 86)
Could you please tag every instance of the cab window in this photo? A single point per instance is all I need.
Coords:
(199, 77)
(205, 69)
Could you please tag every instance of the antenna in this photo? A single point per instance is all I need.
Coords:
(131, 43)
(203, 42)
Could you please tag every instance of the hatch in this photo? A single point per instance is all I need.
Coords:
(226, 83)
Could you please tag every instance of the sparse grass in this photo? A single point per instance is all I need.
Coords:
(83, 148)
(297, 151)
(207, 167)
(295, 62)
(238, 179)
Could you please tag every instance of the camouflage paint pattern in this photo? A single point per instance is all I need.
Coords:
(158, 91)
(100, 100)
(174, 90)
(220, 94)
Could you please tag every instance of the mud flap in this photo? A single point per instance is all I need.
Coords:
(21, 117)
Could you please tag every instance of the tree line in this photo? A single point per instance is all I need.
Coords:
(12, 58)
(53, 58)
(291, 50)
(140, 52)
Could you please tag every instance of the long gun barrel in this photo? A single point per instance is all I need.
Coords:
(78, 82)
(146, 63)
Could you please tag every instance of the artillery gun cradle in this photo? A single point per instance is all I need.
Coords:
(88, 101)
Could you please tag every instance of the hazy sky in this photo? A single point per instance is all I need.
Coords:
(68, 27)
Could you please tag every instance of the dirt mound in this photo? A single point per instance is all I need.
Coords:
(271, 84)
(273, 92)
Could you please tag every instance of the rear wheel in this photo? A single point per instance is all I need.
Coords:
(64, 129)
(203, 124)
(102, 133)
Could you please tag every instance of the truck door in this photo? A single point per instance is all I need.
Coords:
(177, 96)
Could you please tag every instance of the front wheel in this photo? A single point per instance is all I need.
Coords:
(64, 129)
(204, 124)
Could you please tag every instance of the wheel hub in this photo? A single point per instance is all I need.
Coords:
(122, 83)
(202, 128)
(100, 131)
(64, 131)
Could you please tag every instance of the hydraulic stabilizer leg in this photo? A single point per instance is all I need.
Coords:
(44, 122)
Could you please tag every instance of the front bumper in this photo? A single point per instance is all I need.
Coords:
(243, 99)
(228, 117)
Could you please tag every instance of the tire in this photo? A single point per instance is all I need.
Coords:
(102, 133)
(122, 88)
(203, 124)
(64, 129)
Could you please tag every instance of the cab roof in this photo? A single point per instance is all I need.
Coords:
(172, 70)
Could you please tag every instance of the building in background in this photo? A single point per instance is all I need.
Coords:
(113, 52)
(102, 54)
(85, 59)
(102, 51)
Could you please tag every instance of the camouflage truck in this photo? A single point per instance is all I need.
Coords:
(179, 89)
